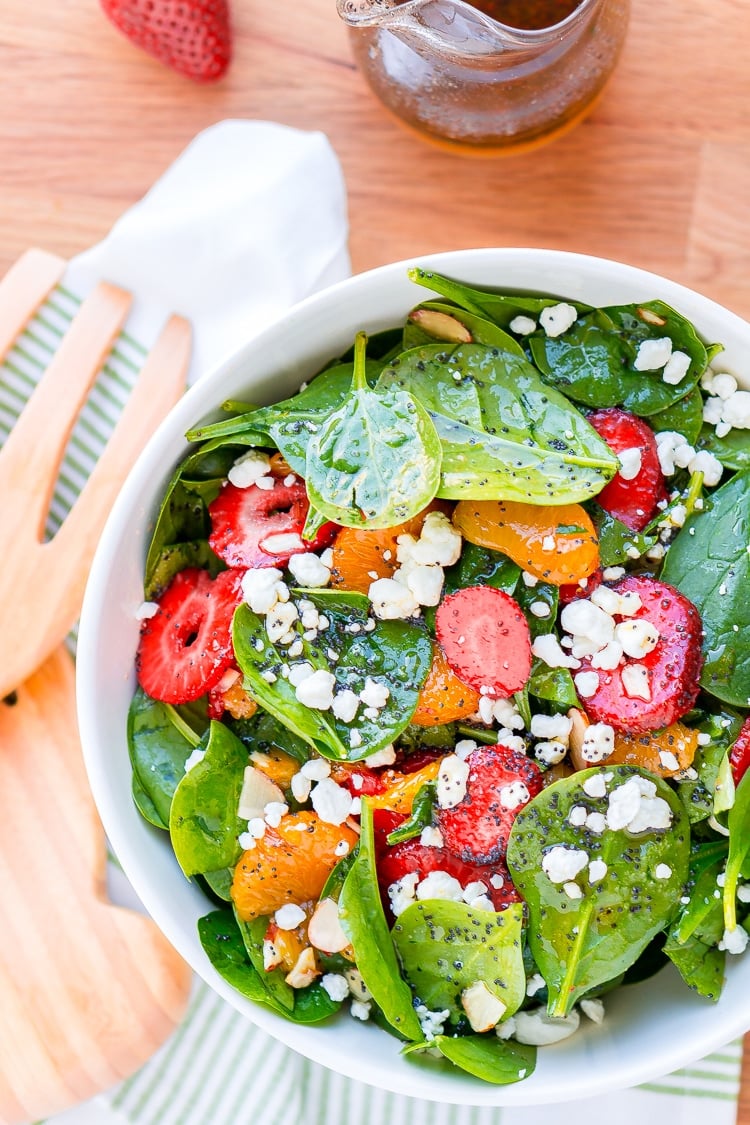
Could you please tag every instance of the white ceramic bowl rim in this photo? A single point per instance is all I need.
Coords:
(648, 1031)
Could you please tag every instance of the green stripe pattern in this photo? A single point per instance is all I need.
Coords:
(217, 1068)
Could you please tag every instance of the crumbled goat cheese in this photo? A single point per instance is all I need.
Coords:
(514, 795)
(432, 1023)
(392, 600)
(636, 681)
(146, 610)
(556, 319)
(282, 543)
(465, 747)
(597, 870)
(403, 893)
(384, 757)
(540, 609)
(439, 884)
(590, 626)
(374, 694)
(668, 760)
(598, 743)
(635, 806)
(653, 354)
(595, 785)
(522, 325)
(676, 368)
(572, 890)
(550, 753)
(263, 588)
(316, 769)
(662, 871)
(249, 468)
(547, 648)
(300, 786)
(273, 812)
(317, 690)
(638, 637)
(630, 462)
(596, 822)
(289, 916)
(451, 782)
(561, 863)
(734, 941)
(607, 658)
(279, 621)
(431, 838)
(307, 570)
(534, 984)
(577, 816)
(360, 1009)
(332, 802)
(335, 985)
(557, 727)
(439, 542)
(424, 582)
(345, 705)
(587, 684)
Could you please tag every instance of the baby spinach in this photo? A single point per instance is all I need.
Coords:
(374, 461)
(363, 921)
(222, 942)
(616, 539)
(733, 450)
(555, 685)
(739, 847)
(480, 566)
(709, 563)
(445, 947)
(684, 417)
(505, 433)
(501, 1061)
(699, 962)
(420, 816)
(499, 307)
(252, 934)
(581, 943)
(699, 795)
(397, 653)
(694, 934)
(203, 820)
(160, 742)
(265, 733)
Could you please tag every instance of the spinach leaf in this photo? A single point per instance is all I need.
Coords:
(739, 847)
(374, 461)
(397, 653)
(252, 934)
(160, 743)
(264, 733)
(480, 566)
(684, 417)
(486, 1056)
(219, 882)
(709, 563)
(499, 307)
(225, 949)
(181, 520)
(733, 450)
(543, 594)
(616, 539)
(203, 821)
(437, 320)
(363, 921)
(699, 963)
(699, 796)
(692, 939)
(420, 817)
(445, 947)
(555, 685)
(505, 433)
(581, 943)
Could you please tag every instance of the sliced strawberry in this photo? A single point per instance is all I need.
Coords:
(673, 667)
(186, 646)
(486, 639)
(359, 779)
(570, 592)
(739, 755)
(258, 527)
(192, 37)
(632, 500)
(501, 782)
(411, 761)
(395, 861)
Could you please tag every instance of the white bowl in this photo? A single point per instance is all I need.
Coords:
(651, 1028)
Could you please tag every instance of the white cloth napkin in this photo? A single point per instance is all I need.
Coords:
(248, 220)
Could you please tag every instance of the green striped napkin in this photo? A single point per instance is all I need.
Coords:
(217, 1068)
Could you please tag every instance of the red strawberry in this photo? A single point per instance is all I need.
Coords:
(485, 638)
(393, 862)
(257, 527)
(739, 755)
(186, 646)
(632, 501)
(192, 37)
(500, 783)
(571, 591)
(674, 666)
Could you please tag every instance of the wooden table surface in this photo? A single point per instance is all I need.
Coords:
(658, 176)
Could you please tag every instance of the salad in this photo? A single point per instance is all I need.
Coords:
(443, 675)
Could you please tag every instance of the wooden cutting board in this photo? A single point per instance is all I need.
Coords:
(82, 1005)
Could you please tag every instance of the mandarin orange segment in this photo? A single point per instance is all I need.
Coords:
(443, 698)
(557, 544)
(666, 752)
(238, 703)
(280, 466)
(276, 764)
(288, 864)
(403, 787)
(360, 556)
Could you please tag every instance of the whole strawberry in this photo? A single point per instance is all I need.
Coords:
(191, 36)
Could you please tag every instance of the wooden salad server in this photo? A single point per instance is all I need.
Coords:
(88, 990)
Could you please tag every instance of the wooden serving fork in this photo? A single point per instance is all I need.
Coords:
(88, 990)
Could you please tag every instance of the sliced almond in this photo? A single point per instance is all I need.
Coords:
(577, 732)
(324, 930)
(483, 1008)
(651, 317)
(257, 792)
(305, 970)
